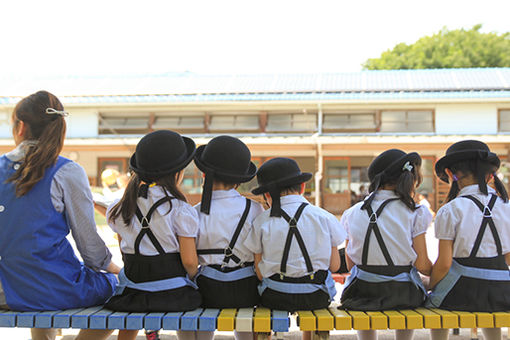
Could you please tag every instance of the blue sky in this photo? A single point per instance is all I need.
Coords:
(222, 37)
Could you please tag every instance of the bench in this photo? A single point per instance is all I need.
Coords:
(261, 320)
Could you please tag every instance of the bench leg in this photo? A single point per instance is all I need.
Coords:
(455, 331)
(320, 335)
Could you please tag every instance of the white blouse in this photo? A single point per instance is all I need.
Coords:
(320, 231)
(217, 228)
(398, 224)
(459, 220)
(182, 220)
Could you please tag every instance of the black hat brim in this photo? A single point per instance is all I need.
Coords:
(283, 183)
(222, 175)
(458, 156)
(190, 153)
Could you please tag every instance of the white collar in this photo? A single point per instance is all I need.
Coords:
(220, 194)
(18, 154)
(473, 189)
(290, 199)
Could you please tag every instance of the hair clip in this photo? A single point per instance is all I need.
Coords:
(52, 111)
(455, 178)
(407, 166)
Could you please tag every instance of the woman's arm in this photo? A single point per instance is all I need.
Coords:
(443, 263)
(258, 258)
(422, 263)
(189, 257)
(348, 260)
(507, 259)
(334, 262)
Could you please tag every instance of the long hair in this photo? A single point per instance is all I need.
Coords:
(126, 206)
(405, 183)
(48, 129)
(479, 169)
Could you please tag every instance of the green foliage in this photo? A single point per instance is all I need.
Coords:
(447, 49)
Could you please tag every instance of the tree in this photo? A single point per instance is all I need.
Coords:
(447, 49)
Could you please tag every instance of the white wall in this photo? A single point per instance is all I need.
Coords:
(82, 123)
(466, 119)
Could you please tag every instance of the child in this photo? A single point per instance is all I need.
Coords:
(227, 276)
(386, 240)
(157, 230)
(39, 270)
(295, 243)
(471, 272)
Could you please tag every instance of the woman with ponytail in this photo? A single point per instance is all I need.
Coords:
(471, 272)
(157, 230)
(386, 245)
(44, 197)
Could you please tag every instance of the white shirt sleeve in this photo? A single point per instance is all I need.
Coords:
(337, 232)
(344, 222)
(446, 223)
(422, 220)
(185, 220)
(253, 241)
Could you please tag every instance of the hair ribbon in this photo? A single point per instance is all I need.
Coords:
(407, 166)
(52, 111)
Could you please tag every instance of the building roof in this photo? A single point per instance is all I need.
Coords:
(190, 87)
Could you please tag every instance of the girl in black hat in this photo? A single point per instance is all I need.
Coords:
(295, 243)
(227, 277)
(386, 244)
(157, 230)
(471, 272)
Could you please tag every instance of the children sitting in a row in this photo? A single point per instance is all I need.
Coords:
(292, 247)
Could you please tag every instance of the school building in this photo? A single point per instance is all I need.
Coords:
(332, 124)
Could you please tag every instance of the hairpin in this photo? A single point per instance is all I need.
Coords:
(455, 178)
(52, 111)
(407, 166)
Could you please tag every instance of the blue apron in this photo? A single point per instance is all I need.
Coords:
(228, 287)
(487, 279)
(372, 287)
(38, 267)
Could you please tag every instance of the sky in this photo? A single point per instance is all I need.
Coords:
(222, 37)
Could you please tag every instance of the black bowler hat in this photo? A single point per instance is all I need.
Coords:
(276, 174)
(465, 150)
(224, 158)
(391, 163)
(161, 153)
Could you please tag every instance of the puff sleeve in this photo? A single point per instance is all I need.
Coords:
(422, 220)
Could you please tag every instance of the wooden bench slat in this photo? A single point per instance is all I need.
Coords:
(26, 319)
(378, 320)
(431, 319)
(325, 321)
(360, 320)
(343, 320)
(466, 319)
(244, 320)
(7, 318)
(81, 318)
(189, 320)
(414, 320)
(117, 320)
(207, 321)
(501, 319)
(226, 319)
(262, 320)
(135, 320)
(306, 320)
(281, 321)
(63, 319)
(44, 319)
(99, 320)
(172, 321)
(153, 321)
(395, 319)
(484, 320)
(448, 319)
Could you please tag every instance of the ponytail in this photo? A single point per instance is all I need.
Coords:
(500, 188)
(49, 132)
(453, 192)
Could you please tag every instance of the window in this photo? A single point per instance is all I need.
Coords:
(291, 122)
(407, 121)
(234, 123)
(192, 122)
(504, 120)
(123, 123)
(363, 121)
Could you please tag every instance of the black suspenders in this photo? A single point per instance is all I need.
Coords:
(372, 226)
(487, 220)
(144, 220)
(229, 255)
(293, 230)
